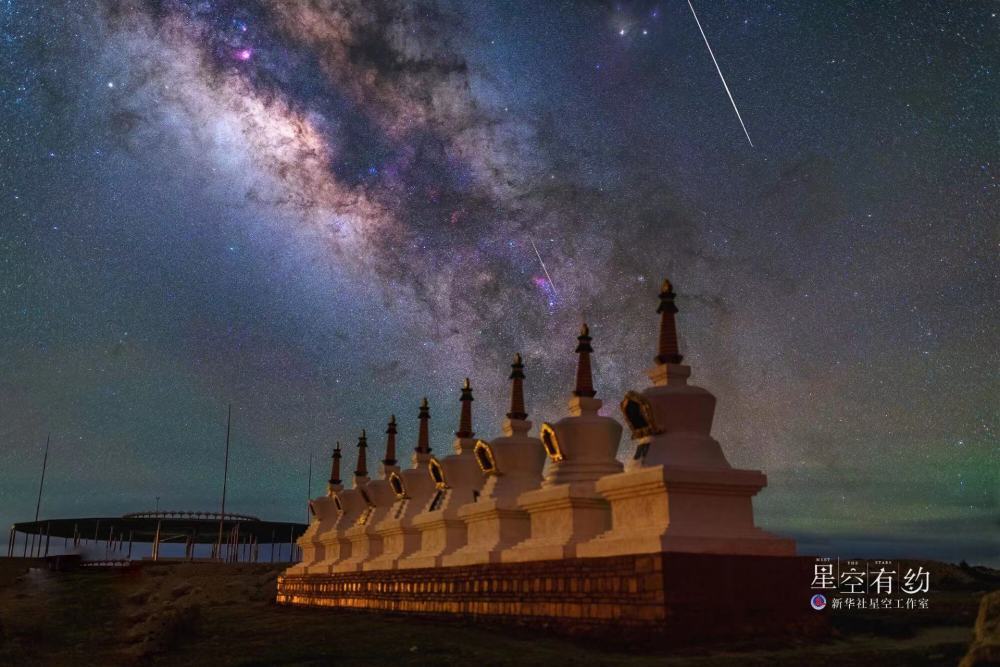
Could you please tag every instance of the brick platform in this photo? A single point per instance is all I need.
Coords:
(652, 598)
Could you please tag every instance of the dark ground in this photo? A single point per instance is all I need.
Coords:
(207, 614)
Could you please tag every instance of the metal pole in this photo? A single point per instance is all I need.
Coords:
(309, 488)
(48, 534)
(11, 536)
(41, 482)
(291, 544)
(225, 474)
(273, 538)
(156, 541)
(130, 545)
(24, 554)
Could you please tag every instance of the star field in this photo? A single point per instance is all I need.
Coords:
(323, 211)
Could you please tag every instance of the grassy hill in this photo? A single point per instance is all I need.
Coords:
(192, 614)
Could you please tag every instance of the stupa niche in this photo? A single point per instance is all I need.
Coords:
(512, 465)
(678, 491)
(458, 481)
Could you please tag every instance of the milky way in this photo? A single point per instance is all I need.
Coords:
(323, 211)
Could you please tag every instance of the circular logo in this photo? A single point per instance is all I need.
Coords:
(818, 602)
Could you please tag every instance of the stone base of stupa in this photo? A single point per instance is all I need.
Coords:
(312, 551)
(562, 517)
(399, 540)
(301, 568)
(696, 510)
(492, 527)
(648, 601)
(441, 533)
(366, 545)
(335, 549)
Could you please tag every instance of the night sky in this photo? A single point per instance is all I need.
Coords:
(323, 211)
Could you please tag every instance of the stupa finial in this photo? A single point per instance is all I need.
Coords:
(423, 437)
(668, 351)
(465, 420)
(362, 469)
(584, 378)
(517, 389)
(390, 442)
(335, 468)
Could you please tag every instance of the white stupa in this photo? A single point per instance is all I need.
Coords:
(457, 480)
(379, 498)
(512, 465)
(350, 504)
(582, 448)
(678, 491)
(413, 489)
(324, 515)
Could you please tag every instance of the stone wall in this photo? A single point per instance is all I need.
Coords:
(673, 597)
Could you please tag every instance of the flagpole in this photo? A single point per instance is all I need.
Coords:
(309, 488)
(225, 477)
(41, 483)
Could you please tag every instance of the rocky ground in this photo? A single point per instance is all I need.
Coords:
(193, 614)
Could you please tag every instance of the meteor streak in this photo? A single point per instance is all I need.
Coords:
(535, 248)
(717, 69)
